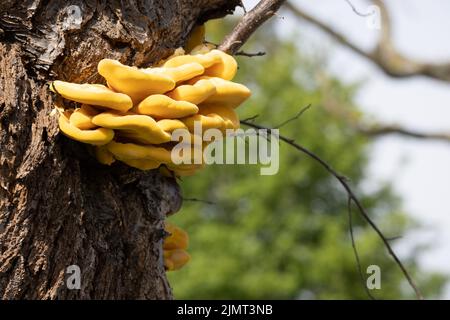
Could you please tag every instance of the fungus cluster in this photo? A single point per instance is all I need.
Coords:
(132, 118)
(175, 245)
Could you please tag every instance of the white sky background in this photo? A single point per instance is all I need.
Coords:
(418, 169)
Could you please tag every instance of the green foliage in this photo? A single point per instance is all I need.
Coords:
(286, 236)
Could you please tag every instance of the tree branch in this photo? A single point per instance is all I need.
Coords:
(298, 115)
(250, 54)
(385, 55)
(373, 129)
(251, 20)
(356, 11)
(352, 197)
(381, 130)
(199, 200)
(355, 250)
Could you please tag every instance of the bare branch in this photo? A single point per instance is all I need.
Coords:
(249, 54)
(343, 181)
(382, 130)
(199, 200)
(336, 35)
(298, 115)
(251, 20)
(373, 129)
(252, 118)
(356, 11)
(385, 54)
(355, 250)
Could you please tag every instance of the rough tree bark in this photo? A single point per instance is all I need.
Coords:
(58, 207)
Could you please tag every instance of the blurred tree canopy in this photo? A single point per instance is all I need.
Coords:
(286, 236)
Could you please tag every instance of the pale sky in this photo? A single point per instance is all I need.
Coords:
(419, 170)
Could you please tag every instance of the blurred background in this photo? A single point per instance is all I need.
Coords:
(286, 236)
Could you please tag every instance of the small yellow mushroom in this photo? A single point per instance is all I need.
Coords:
(196, 37)
(93, 94)
(229, 116)
(195, 93)
(177, 239)
(162, 106)
(100, 136)
(180, 73)
(228, 93)
(81, 117)
(132, 151)
(226, 69)
(141, 128)
(175, 259)
(170, 125)
(174, 246)
(104, 156)
(137, 83)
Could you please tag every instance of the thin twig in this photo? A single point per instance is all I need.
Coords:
(199, 200)
(393, 238)
(355, 250)
(382, 130)
(384, 55)
(252, 118)
(375, 129)
(356, 11)
(298, 115)
(243, 6)
(250, 54)
(343, 181)
(264, 10)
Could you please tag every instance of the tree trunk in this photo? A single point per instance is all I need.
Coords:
(58, 206)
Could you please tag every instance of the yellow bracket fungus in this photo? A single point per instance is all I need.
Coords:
(141, 164)
(162, 106)
(134, 118)
(225, 69)
(178, 238)
(206, 60)
(82, 117)
(141, 128)
(96, 137)
(228, 115)
(132, 151)
(174, 246)
(194, 93)
(93, 94)
(170, 125)
(175, 259)
(227, 93)
(184, 170)
(104, 156)
(137, 83)
(211, 121)
(180, 73)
